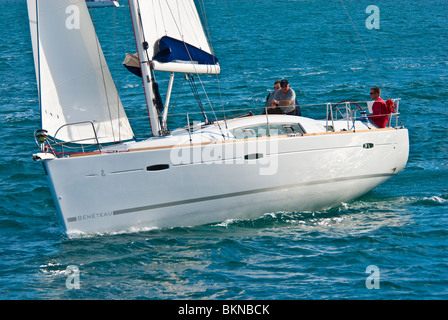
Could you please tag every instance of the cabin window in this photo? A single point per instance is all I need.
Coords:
(368, 145)
(158, 167)
(253, 156)
(288, 129)
(275, 129)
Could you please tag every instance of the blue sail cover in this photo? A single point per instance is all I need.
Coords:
(173, 50)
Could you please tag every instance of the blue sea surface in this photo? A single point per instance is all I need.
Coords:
(326, 51)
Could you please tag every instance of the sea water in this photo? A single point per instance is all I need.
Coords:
(389, 244)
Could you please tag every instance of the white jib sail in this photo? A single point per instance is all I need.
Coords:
(177, 19)
(76, 87)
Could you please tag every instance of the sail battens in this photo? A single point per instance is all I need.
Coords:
(74, 81)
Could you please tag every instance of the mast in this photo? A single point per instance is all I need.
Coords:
(170, 38)
(147, 72)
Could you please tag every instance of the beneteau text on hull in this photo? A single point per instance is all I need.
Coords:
(203, 173)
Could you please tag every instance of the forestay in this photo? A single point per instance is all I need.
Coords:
(74, 81)
(176, 38)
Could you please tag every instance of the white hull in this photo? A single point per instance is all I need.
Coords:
(238, 168)
(161, 186)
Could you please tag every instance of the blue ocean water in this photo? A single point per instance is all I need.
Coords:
(328, 54)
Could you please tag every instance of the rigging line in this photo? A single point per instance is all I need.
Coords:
(208, 99)
(207, 29)
(211, 107)
(38, 65)
(196, 95)
(98, 49)
(116, 76)
(163, 18)
(365, 50)
(194, 67)
(155, 17)
(178, 93)
(240, 52)
(222, 102)
(193, 85)
(194, 23)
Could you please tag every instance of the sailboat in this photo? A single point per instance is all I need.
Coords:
(101, 3)
(200, 173)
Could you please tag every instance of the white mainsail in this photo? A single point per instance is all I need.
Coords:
(76, 88)
(176, 21)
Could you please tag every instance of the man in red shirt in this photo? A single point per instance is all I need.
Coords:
(380, 114)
